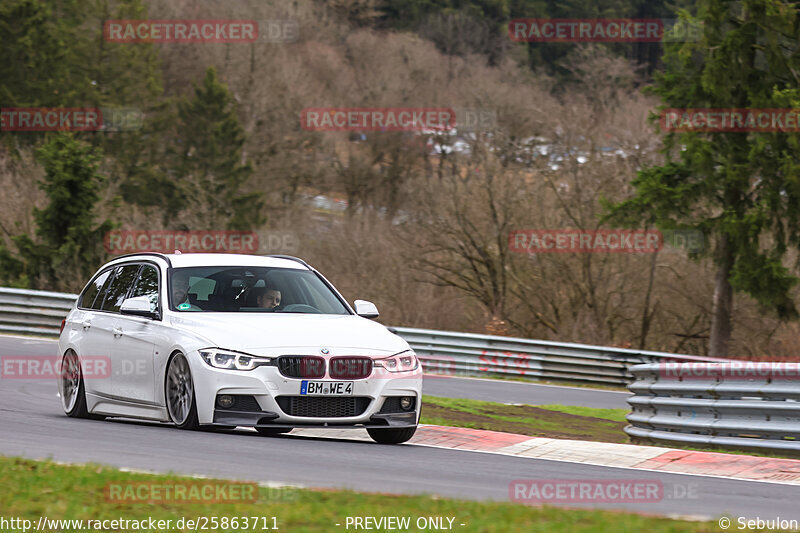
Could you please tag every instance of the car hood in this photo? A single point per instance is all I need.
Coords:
(274, 334)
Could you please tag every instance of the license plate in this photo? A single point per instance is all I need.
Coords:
(326, 388)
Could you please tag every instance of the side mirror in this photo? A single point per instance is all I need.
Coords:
(366, 309)
(139, 306)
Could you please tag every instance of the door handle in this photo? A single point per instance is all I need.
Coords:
(117, 331)
(86, 324)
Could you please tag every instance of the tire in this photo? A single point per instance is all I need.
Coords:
(272, 432)
(73, 393)
(391, 436)
(179, 393)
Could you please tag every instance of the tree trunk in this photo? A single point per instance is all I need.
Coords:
(647, 315)
(722, 304)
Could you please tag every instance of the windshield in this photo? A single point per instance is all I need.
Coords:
(251, 290)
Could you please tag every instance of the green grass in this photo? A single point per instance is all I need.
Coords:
(615, 415)
(30, 489)
(552, 421)
(556, 421)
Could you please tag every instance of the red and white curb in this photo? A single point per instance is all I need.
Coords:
(652, 458)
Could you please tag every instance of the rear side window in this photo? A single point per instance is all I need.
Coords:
(95, 288)
(119, 288)
(147, 285)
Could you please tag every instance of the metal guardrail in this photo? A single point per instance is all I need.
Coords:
(33, 312)
(739, 405)
(441, 352)
(453, 353)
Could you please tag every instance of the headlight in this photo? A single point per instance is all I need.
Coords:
(402, 362)
(230, 360)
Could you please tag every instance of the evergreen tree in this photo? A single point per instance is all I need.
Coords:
(741, 189)
(37, 54)
(55, 54)
(210, 165)
(68, 246)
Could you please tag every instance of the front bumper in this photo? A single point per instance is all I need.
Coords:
(274, 396)
(265, 419)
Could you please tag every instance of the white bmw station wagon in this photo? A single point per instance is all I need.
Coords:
(232, 340)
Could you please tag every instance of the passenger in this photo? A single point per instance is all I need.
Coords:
(180, 292)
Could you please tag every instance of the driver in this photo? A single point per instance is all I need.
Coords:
(270, 298)
(180, 292)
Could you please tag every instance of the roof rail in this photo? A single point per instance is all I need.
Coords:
(290, 258)
(160, 256)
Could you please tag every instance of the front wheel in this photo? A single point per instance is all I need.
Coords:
(391, 436)
(179, 393)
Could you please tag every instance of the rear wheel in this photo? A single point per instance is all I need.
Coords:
(179, 393)
(272, 432)
(391, 436)
(73, 395)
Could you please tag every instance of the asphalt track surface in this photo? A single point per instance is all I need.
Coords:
(33, 425)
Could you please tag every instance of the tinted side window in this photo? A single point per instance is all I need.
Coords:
(147, 285)
(119, 288)
(94, 288)
(98, 302)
